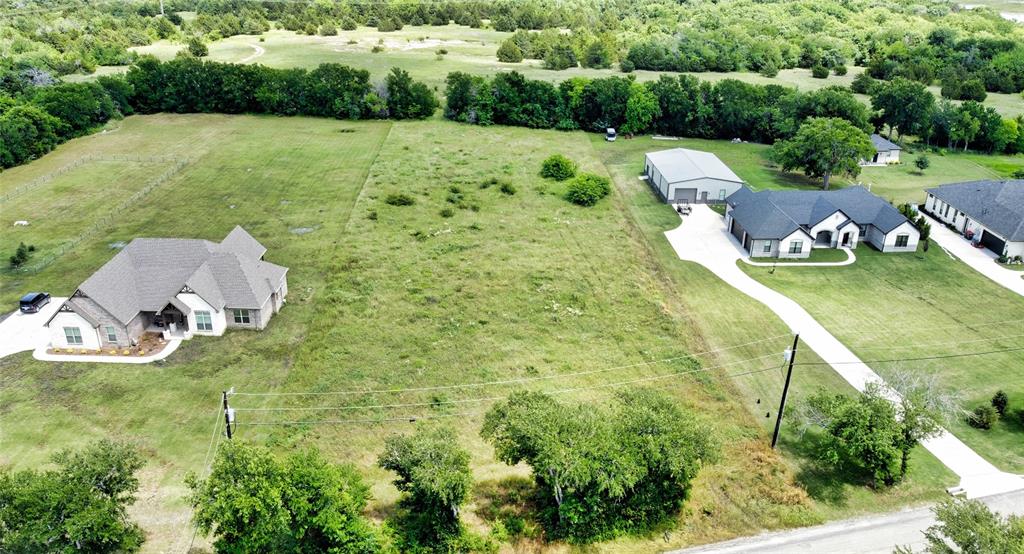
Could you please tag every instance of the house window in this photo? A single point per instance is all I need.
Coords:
(721, 194)
(73, 335)
(902, 240)
(945, 212)
(767, 246)
(796, 246)
(241, 316)
(111, 333)
(203, 321)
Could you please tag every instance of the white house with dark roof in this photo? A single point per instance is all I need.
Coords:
(886, 151)
(684, 176)
(991, 213)
(176, 287)
(788, 224)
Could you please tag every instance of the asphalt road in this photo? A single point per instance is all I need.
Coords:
(867, 535)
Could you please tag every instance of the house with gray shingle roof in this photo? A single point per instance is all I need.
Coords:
(886, 151)
(175, 287)
(789, 223)
(990, 213)
(684, 176)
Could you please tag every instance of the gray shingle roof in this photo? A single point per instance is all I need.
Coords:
(998, 205)
(883, 144)
(775, 214)
(683, 164)
(148, 273)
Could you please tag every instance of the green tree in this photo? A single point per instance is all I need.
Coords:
(81, 506)
(252, 502)
(642, 109)
(921, 162)
(970, 527)
(433, 472)
(197, 47)
(1000, 401)
(597, 55)
(509, 52)
(823, 147)
(408, 99)
(904, 105)
(655, 448)
(79, 106)
(26, 132)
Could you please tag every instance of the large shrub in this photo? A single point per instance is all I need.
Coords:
(509, 52)
(983, 417)
(558, 167)
(1000, 401)
(602, 471)
(587, 189)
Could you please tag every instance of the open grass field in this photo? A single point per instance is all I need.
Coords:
(525, 286)
(416, 49)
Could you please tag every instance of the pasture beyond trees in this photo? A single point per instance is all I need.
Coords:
(525, 286)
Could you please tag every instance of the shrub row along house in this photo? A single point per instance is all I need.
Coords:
(788, 224)
(175, 287)
(989, 213)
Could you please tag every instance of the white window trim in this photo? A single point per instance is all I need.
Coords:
(73, 333)
(200, 323)
(905, 238)
(767, 246)
(796, 246)
(241, 316)
(110, 331)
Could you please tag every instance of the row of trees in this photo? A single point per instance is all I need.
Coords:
(41, 118)
(685, 106)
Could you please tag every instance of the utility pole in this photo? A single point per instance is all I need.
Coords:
(229, 414)
(791, 354)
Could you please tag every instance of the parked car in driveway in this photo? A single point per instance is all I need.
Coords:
(33, 302)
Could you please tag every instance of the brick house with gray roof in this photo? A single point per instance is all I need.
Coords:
(990, 212)
(176, 287)
(789, 223)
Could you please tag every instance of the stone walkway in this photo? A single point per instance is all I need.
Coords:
(702, 238)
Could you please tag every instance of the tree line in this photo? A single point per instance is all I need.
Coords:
(729, 109)
(38, 120)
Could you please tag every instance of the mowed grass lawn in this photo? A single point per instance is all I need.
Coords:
(886, 307)
(511, 286)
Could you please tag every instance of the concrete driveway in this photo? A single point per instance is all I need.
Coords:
(20, 332)
(703, 238)
(981, 259)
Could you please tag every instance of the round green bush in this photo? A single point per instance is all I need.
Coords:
(819, 72)
(587, 189)
(558, 167)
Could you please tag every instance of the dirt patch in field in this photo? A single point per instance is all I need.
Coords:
(393, 44)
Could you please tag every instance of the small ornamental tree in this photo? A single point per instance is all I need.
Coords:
(587, 189)
(80, 506)
(558, 167)
(824, 146)
(433, 472)
(509, 52)
(983, 417)
(1000, 401)
(922, 162)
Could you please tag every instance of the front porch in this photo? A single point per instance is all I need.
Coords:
(171, 322)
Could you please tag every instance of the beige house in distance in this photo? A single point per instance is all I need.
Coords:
(175, 287)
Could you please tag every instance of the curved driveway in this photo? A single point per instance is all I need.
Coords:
(702, 238)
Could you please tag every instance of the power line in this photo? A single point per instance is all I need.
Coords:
(207, 463)
(918, 359)
(508, 381)
(944, 343)
(478, 400)
(471, 414)
(1017, 321)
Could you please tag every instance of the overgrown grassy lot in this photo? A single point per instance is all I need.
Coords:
(503, 286)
